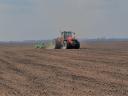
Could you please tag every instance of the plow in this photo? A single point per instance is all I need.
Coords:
(67, 40)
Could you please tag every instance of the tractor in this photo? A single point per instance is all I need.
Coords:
(67, 40)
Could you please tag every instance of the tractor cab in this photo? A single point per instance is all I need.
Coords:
(67, 34)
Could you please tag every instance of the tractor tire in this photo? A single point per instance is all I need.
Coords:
(77, 46)
(58, 44)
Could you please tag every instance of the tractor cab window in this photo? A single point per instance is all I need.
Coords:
(69, 33)
(66, 34)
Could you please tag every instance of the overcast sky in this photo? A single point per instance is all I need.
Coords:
(43, 19)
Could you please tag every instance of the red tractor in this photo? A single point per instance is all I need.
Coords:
(67, 41)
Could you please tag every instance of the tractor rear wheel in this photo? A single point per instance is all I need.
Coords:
(58, 44)
(77, 46)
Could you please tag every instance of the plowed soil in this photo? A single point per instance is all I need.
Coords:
(97, 69)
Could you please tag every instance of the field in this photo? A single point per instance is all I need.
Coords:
(97, 69)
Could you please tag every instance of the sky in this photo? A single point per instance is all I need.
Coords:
(44, 19)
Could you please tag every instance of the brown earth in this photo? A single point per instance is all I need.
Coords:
(97, 69)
